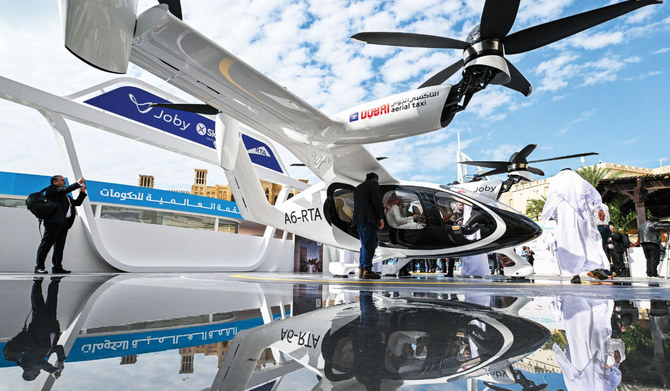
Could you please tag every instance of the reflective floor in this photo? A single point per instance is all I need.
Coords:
(269, 331)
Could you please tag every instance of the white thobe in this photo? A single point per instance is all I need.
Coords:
(474, 265)
(570, 202)
(588, 330)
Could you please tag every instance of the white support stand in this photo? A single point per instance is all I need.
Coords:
(521, 267)
(395, 268)
(341, 268)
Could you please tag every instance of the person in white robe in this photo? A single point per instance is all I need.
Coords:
(571, 201)
(588, 330)
(396, 219)
(474, 265)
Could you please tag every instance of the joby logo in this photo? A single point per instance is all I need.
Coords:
(201, 129)
(143, 108)
(485, 188)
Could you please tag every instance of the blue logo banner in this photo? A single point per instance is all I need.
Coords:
(261, 154)
(135, 103)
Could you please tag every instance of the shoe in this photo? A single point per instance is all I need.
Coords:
(41, 271)
(575, 279)
(60, 270)
(449, 275)
(597, 274)
(370, 275)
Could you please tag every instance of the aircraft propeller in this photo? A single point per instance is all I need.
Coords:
(518, 162)
(485, 46)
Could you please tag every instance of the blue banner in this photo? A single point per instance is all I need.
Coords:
(160, 199)
(261, 154)
(135, 103)
(113, 193)
(117, 345)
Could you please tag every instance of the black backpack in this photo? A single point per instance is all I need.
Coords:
(40, 205)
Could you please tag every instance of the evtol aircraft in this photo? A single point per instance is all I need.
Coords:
(332, 146)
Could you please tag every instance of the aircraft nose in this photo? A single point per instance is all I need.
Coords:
(519, 228)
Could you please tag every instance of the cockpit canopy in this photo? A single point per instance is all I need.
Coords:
(414, 217)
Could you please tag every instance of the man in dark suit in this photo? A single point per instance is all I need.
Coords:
(368, 217)
(56, 226)
(31, 348)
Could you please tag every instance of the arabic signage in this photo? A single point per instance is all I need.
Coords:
(113, 193)
(135, 104)
(160, 199)
(407, 103)
(117, 345)
(99, 347)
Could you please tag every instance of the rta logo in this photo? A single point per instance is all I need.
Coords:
(259, 151)
(143, 108)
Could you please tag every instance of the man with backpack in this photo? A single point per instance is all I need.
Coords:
(57, 225)
(31, 348)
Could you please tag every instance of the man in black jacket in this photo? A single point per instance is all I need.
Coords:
(368, 217)
(31, 348)
(56, 226)
(616, 247)
(649, 236)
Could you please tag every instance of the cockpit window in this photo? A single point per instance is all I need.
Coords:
(403, 210)
(462, 217)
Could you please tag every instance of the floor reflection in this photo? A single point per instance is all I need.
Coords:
(220, 332)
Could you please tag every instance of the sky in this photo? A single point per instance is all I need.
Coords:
(603, 90)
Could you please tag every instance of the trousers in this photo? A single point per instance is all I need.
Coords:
(368, 236)
(54, 236)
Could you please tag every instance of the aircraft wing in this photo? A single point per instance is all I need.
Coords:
(177, 53)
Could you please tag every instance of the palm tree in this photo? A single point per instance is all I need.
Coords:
(621, 220)
(594, 174)
(534, 207)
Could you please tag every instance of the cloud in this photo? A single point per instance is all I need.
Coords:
(306, 47)
(595, 40)
(650, 74)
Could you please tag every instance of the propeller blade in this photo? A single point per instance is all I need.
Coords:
(190, 107)
(564, 157)
(443, 75)
(381, 157)
(410, 40)
(174, 6)
(520, 157)
(518, 83)
(544, 34)
(486, 163)
(535, 171)
(497, 18)
(494, 172)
